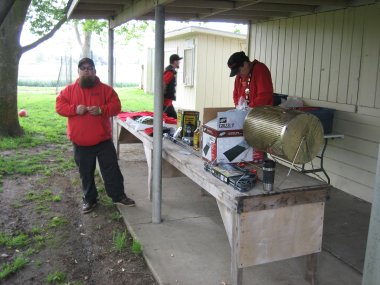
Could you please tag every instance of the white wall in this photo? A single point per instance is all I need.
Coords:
(332, 59)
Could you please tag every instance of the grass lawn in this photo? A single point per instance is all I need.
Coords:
(44, 125)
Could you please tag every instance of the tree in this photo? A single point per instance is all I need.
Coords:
(88, 27)
(45, 18)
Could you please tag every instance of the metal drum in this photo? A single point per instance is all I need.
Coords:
(290, 134)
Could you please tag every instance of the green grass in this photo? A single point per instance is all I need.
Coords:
(17, 241)
(44, 126)
(13, 267)
(119, 241)
(136, 247)
(56, 277)
(19, 156)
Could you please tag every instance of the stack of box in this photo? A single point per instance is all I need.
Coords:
(223, 140)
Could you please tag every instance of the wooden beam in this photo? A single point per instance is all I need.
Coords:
(203, 4)
(135, 10)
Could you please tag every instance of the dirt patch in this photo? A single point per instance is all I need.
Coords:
(82, 247)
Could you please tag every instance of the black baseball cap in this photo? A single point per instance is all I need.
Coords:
(86, 60)
(174, 57)
(236, 61)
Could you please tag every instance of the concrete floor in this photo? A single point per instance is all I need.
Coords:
(190, 246)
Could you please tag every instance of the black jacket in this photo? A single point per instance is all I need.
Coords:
(169, 92)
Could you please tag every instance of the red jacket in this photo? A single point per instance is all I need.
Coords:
(260, 86)
(88, 130)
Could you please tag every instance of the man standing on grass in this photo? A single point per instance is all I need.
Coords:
(170, 83)
(88, 104)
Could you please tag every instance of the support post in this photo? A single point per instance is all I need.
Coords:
(371, 274)
(157, 124)
(110, 55)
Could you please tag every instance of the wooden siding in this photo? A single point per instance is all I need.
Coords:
(332, 59)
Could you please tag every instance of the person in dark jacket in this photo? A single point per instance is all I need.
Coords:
(88, 105)
(170, 82)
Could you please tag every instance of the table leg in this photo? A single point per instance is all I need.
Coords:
(117, 140)
(236, 270)
(149, 154)
(311, 268)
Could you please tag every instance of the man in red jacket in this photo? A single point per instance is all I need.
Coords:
(88, 104)
(253, 82)
(253, 86)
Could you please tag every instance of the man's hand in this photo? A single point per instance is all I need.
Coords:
(94, 110)
(81, 109)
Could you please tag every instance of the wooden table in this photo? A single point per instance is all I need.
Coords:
(261, 227)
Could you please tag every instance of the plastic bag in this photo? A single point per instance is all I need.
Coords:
(292, 102)
(242, 104)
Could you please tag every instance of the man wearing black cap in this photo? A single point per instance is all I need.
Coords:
(88, 104)
(253, 82)
(170, 82)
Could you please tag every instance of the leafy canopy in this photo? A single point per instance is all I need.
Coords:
(44, 14)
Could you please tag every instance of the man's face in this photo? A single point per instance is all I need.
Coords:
(244, 70)
(176, 64)
(86, 75)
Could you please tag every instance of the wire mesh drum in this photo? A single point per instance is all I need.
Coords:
(290, 134)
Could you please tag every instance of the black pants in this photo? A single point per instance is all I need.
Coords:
(85, 158)
(170, 111)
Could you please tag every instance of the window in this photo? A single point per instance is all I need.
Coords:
(188, 67)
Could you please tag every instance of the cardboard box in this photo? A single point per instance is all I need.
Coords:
(225, 118)
(228, 146)
(188, 120)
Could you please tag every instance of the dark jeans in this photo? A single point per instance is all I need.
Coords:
(85, 158)
(170, 111)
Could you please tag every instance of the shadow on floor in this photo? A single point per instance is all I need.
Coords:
(346, 228)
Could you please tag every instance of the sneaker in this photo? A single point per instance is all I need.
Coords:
(88, 207)
(126, 202)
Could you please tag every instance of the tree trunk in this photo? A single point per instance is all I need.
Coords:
(86, 48)
(10, 53)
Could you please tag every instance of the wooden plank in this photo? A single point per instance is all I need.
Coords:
(311, 268)
(280, 200)
(294, 56)
(227, 217)
(220, 72)
(280, 56)
(200, 75)
(355, 58)
(326, 56)
(263, 42)
(317, 56)
(361, 176)
(287, 55)
(309, 57)
(209, 67)
(273, 67)
(351, 186)
(258, 42)
(301, 60)
(336, 50)
(126, 137)
(269, 39)
(236, 266)
(277, 234)
(370, 57)
(345, 54)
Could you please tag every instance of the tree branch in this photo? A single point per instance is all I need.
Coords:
(49, 34)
